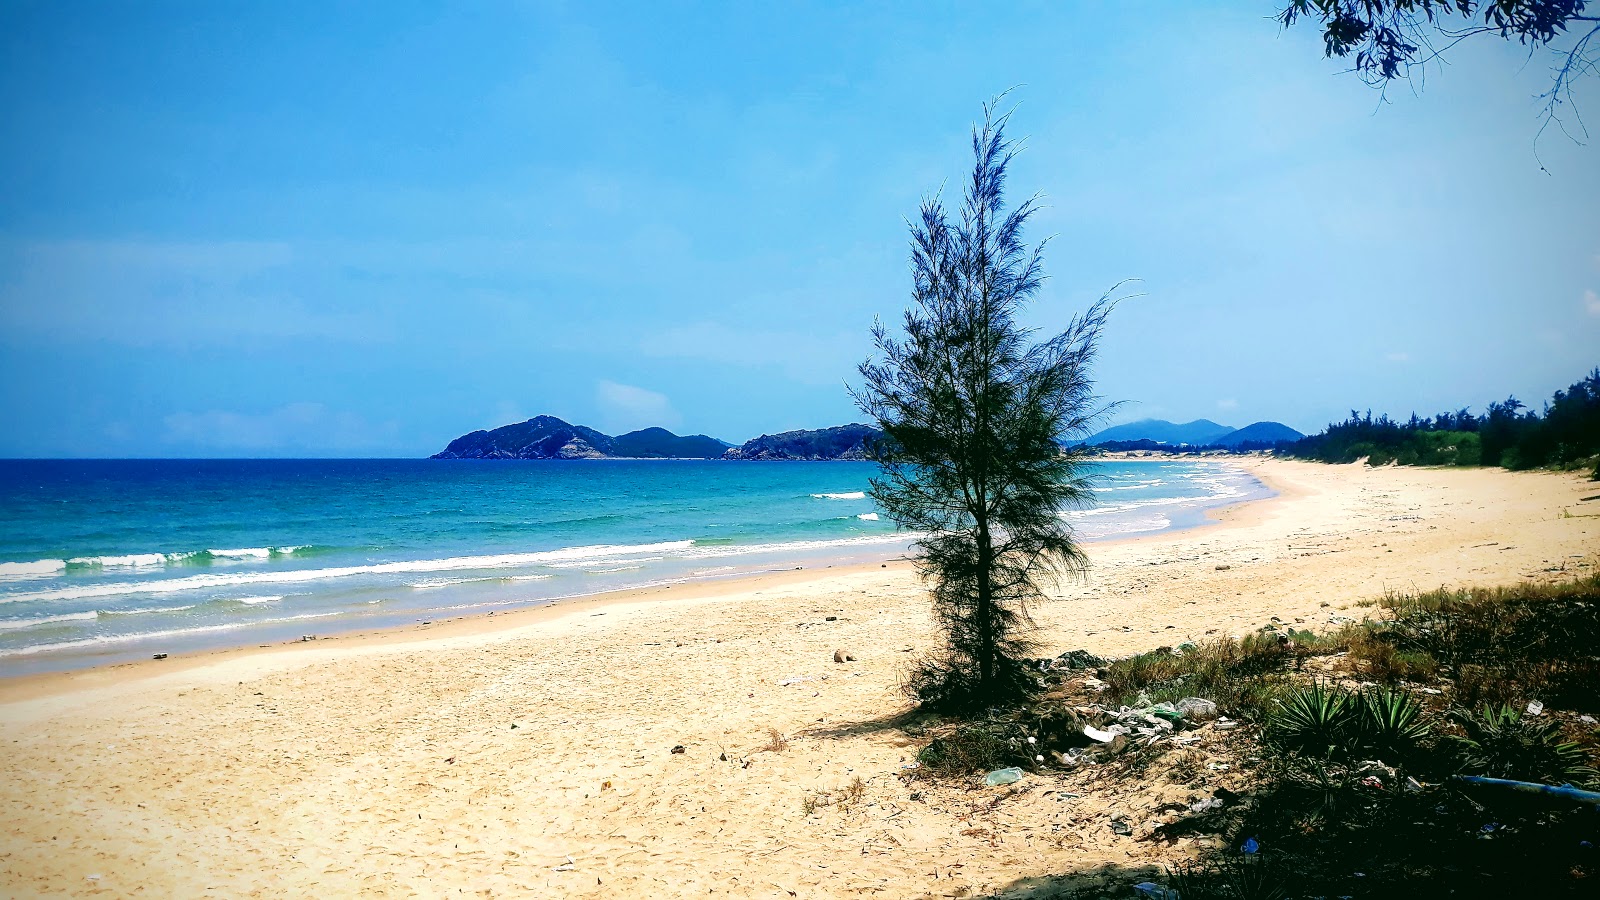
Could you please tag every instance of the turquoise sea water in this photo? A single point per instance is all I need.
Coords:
(111, 560)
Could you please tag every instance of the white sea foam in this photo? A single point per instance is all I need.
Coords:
(867, 517)
(140, 612)
(35, 569)
(107, 639)
(797, 546)
(848, 495)
(431, 583)
(1130, 526)
(19, 624)
(245, 553)
(131, 561)
(586, 563)
(426, 584)
(293, 576)
(1221, 494)
(257, 600)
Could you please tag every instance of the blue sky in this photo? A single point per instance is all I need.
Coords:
(364, 229)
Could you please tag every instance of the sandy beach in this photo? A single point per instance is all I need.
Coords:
(532, 753)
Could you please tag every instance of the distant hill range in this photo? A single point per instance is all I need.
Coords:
(547, 437)
(1153, 434)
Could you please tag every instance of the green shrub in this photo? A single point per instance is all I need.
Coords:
(1505, 644)
(1500, 743)
(1241, 676)
(979, 747)
(1380, 659)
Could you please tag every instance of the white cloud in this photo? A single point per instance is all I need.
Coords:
(297, 427)
(1229, 403)
(1591, 302)
(624, 407)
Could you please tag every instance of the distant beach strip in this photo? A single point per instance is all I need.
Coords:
(115, 561)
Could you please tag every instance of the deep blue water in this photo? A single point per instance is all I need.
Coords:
(110, 560)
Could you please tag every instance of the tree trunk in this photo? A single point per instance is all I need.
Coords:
(986, 635)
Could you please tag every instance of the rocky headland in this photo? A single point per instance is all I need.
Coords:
(547, 437)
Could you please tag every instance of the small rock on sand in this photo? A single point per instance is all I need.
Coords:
(839, 656)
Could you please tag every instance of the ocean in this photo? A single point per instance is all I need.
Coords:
(106, 561)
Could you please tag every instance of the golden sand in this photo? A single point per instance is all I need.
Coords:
(388, 764)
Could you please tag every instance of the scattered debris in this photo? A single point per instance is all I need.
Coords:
(678, 749)
(159, 656)
(1076, 659)
(1003, 776)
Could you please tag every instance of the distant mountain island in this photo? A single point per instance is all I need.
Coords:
(838, 442)
(1149, 434)
(547, 437)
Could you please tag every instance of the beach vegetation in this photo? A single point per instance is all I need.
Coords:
(1506, 644)
(1565, 435)
(776, 742)
(977, 747)
(1335, 783)
(1241, 675)
(1501, 742)
(973, 413)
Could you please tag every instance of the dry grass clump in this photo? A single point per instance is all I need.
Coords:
(1504, 645)
(844, 797)
(776, 742)
(1242, 676)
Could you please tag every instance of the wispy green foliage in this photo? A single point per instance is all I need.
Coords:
(972, 412)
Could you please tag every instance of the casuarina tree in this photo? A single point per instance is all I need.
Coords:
(974, 412)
